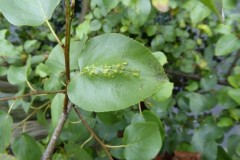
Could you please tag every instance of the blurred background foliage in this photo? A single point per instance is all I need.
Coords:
(200, 55)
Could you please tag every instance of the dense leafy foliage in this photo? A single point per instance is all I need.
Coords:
(117, 80)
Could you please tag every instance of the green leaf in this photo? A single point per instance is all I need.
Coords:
(227, 44)
(139, 11)
(3, 33)
(235, 94)
(208, 82)
(56, 62)
(42, 70)
(31, 45)
(232, 144)
(121, 68)
(222, 154)
(6, 130)
(95, 25)
(164, 92)
(17, 75)
(161, 57)
(151, 117)
(53, 83)
(225, 122)
(27, 12)
(26, 148)
(151, 30)
(199, 13)
(83, 29)
(234, 81)
(7, 49)
(57, 108)
(143, 141)
(110, 4)
(6, 157)
(76, 153)
(215, 6)
(195, 101)
(204, 141)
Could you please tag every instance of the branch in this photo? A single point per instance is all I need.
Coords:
(47, 155)
(31, 94)
(93, 133)
(234, 63)
(191, 76)
(67, 39)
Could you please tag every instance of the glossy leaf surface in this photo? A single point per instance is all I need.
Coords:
(143, 141)
(28, 12)
(215, 6)
(116, 72)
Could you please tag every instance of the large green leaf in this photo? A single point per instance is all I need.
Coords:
(28, 12)
(227, 44)
(26, 148)
(143, 141)
(215, 6)
(5, 129)
(116, 72)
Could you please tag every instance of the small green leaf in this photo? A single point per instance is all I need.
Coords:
(3, 33)
(161, 57)
(119, 67)
(164, 92)
(194, 101)
(235, 94)
(95, 25)
(26, 148)
(139, 11)
(215, 6)
(110, 4)
(6, 130)
(57, 108)
(234, 81)
(198, 11)
(227, 44)
(7, 49)
(204, 140)
(225, 122)
(17, 75)
(31, 45)
(42, 70)
(142, 140)
(151, 30)
(83, 29)
(208, 82)
(27, 12)
(74, 152)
